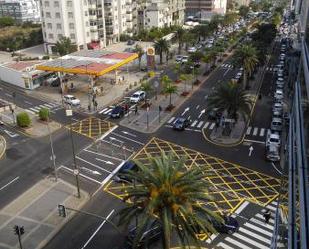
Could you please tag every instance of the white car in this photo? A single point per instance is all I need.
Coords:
(273, 138)
(278, 107)
(185, 59)
(137, 97)
(71, 100)
(278, 94)
(51, 79)
(192, 50)
(276, 124)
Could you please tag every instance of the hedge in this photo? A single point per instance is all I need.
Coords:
(23, 119)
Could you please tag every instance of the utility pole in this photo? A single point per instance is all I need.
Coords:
(53, 156)
(19, 231)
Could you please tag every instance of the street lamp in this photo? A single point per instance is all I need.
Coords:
(156, 86)
(53, 157)
(69, 113)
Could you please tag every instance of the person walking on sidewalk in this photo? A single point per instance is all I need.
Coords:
(135, 110)
(267, 215)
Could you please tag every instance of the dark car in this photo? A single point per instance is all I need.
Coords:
(117, 112)
(229, 226)
(126, 167)
(152, 234)
(55, 83)
(130, 42)
(181, 123)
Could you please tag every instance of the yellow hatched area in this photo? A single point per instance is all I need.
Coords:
(91, 127)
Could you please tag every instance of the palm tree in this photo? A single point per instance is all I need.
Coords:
(179, 35)
(246, 57)
(230, 97)
(147, 88)
(161, 46)
(185, 78)
(140, 52)
(169, 193)
(169, 87)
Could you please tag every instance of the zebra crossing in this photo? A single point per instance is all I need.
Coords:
(254, 233)
(256, 131)
(269, 68)
(196, 125)
(226, 65)
(106, 110)
(36, 109)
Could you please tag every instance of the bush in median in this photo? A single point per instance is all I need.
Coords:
(23, 119)
(44, 114)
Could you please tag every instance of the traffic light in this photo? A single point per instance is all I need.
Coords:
(19, 230)
(61, 210)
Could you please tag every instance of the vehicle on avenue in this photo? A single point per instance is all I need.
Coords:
(192, 49)
(178, 58)
(130, 42)
(214, 114)
(277, 107)
(272, 153)
(276, 124)
(71, 100)
(181, 124)
(279, 94)
(125, 168)
(273, 137)
(184, 59)
(137, 97)
(117, 112)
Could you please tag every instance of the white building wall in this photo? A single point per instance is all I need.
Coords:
(12, 76)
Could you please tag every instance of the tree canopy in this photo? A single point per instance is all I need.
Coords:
(65, 46)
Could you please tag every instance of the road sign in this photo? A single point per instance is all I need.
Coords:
(250, 150)
(69, 112)
(186, 110)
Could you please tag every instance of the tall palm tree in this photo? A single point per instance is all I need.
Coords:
(147, 88)
(168, 192)
(230, 97)
(140, 52)
(168, 87)
(179, 35)
(246, 57)
(161, 46)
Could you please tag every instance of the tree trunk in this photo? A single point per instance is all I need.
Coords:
(245, 80)
(139, 62)
(161, 55)
(179, 47)
(170, 99)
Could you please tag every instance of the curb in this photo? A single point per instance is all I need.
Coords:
(4, 146)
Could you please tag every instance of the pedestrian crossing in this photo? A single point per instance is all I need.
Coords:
(254, 233)
(226, 65)
(256, 131)
(36, 109)
(269, 68)
(106, 110)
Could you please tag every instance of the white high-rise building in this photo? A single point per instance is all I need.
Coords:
(205, 9)
(21, 10)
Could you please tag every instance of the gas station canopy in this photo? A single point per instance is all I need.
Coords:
(89, 62)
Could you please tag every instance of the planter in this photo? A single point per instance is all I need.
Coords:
(197, 82)
(169, 108)
(177, 81)
(184, 94)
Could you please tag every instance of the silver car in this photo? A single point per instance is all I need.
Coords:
(276, 124)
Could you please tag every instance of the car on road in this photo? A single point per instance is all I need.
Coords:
(272, 153)
(273, 137)
(137, 97)
(277, 107)
(214, 114)
(123, 171)
(276, 124)
(181, 124)
(277, 114)
(71, 100)
(117, 112)
(279, 94)
(192, 49)
(178, 58)
(184, 59)
(130, 42)
(52, 78)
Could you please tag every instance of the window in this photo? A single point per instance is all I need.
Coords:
(87, 24)
(51, 36)
(71, 25)
(58, 25)
(72, 36)
(48, 15)
(46, 4)
(56, 4)
(49, 26)
(70, 14)
(57, 14)
(86, 13)
(69, 4)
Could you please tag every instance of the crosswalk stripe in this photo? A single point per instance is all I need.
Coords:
(53, 104)
(250, 241)
(271, 220)
(225, 246)
(212, 126)
(37, 107)
(237, 243)
(262, 223)
(255, 131)
(200, 124)
(194, 123)
(262, 132)
(206, 125)
(103, 110)
(271, 207)
(48, 105)
(108, 111)
(30, 111)
(248, 130)
(258, 229)
(171, 120)
(230, 66)
(35, 110)
(254, 235)
(43, 106)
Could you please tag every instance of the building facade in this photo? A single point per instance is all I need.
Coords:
(21, 10)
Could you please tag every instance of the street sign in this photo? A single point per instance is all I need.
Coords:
(69, 112)
(250, 150)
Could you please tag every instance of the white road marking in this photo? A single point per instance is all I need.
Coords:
(235, 242)
(80, 174)
(206, 125)
(198, 106)
(262, 132)
(212, 126)
(127, 138)
(258, 229)
(276, 168)
(48, 105)
(171, 120)
(262, 223)
(242, 207)
(104, 155)
(255, 131)
(129, 133)
(30, 111)
(248, 130)
(226, 72)
(92, 164)
(98, 229)
(108, 111)
(103, 110)
(225, 246)
(107, 162)
(9, 95)
(200, 124)
(194, 123)
(27, 102)
(254, 235)
(246, 239)
(271, 220)
(43, 106)
(254, 141)
(9, 183)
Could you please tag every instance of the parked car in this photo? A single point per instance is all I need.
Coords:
(277, 114)
(55, 83)
(181, 124)
(278, 107)
(52, 78)
(272, 153)
(192, 49)
(276, 124)
(178, 58)
(137, 97)
(126, 167)
(130, 42)
(71, 100)
(117, 112)
(273, 137)
(279, 94)
(184, 59)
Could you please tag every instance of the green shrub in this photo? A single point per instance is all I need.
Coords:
(23, 119)
(44, 114)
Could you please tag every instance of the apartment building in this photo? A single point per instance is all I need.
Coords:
(21, 10)
(205, 9)
(88, 23)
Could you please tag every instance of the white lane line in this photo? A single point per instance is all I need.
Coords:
(248, 130)
(108, 111)
(276, 168)
(206, 125)
(225, 246)
(212, 126)
(250, 241)
(254, 235)
(198, 106)
(80, 174)
(262, 223)
(253, 141)
(107, 133)
(92, 164)
(242, 207)
(127, 138)
(171, 120)
(258, 229)
(226, 72)
(260, 216)
(103, 110)
(9, 95)
(262, 132)
(194, 123)
(98, 229)
(200, 124)
(236, 243)
(12, 181)
(27, 102)
(255, 131)
(104, 155)
(30, 111)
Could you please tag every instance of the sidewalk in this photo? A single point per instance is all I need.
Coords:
(37, 211)
(2, 146)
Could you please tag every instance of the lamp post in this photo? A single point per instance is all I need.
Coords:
(69, 113)
(53, 157)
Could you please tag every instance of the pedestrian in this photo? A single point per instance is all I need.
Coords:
(260, 96)
(267, 215)
(95, 105)
(135, 110)
(126, 108)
